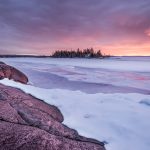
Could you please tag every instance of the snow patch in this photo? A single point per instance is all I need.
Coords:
(118, 119)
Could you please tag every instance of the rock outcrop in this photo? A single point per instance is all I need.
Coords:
(10, 72)
(28, 123)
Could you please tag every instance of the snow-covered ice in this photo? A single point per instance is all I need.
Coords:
(104, 99)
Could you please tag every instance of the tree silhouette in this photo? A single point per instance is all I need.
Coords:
(86, 53)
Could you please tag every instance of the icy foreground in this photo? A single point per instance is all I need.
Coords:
(27, 123)
(119, 117)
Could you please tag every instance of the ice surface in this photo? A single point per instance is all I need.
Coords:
(88, 75)
(103, 99)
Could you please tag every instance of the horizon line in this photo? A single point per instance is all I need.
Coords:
(36, 55)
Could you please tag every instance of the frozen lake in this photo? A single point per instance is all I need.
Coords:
(106, 99)
(88, 75)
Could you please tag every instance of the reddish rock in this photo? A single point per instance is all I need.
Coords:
(23, 137)
(10, 72)
(29, 123)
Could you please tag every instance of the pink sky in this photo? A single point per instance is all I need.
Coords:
(38, 27)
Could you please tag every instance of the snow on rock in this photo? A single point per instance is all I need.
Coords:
(29, 123)
(117, 119)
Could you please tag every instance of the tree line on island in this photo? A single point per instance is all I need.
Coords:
(85, 53)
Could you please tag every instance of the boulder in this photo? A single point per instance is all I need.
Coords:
(10, 72)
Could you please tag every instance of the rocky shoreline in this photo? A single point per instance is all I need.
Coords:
(29, 123)
(10, 72)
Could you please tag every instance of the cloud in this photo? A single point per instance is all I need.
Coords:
(52, 24)
(147, 32)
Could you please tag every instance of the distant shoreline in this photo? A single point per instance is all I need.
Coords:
(41, 56)
(14, 56)
(33, 56)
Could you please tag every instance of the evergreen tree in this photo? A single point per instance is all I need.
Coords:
(86, 53)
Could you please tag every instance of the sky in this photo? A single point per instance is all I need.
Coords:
(117, 27)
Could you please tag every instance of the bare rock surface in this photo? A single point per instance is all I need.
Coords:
(10, 72)
(29, 123)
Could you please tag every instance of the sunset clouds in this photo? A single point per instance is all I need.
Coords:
(119, 27)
